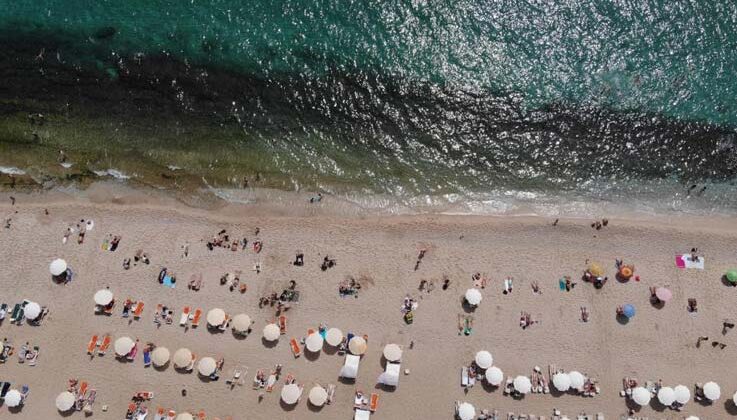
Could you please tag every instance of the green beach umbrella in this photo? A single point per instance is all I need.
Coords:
(732, 276)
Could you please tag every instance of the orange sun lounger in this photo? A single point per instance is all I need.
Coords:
(139, 310)
(105, 344)
(82, 390)
(374, 404)
(296, 350)
(197, 316)
(92, 345)
(283, 324)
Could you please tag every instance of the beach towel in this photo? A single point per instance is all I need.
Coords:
(168, 282)
(684, 261)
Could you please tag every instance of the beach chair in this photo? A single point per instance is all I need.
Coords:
(4, 388)
(105, 344)
(138, 310)
(196, 317)
(374, 402)
(34, 356)
(362, 414)
(16, 313)
(190, 366)
(271, 380)
(296, 349)
(146, 357)
(350, 367)
(92, 345)
(3, 311)
(331, 393)
(131, 356)
(390, 377)
(283, 324)
(185, 316)
(160, 414)
(90, 401)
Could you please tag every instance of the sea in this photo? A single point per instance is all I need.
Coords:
(551, 107)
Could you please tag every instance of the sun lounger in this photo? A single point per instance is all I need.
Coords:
(196, 317)
(34, 356)
(362, 414)
(466, 379)
(105, 344)
(331, 393)
(296, 349)
(146, 358)
(92, 345)
(3, 311)
(350, 367)
(90, 401)
(374, 402)
(283, 324)
(16, 313)
(132, 354)
(225, 324)
(390, 377)
(185, 316)
(4, 388)
(139, 310)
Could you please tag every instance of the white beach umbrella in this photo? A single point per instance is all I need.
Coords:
(271, 332)
(483, 359)
(357, 345)
(562, 381)
(160, 356)
(318, 396)
(734, 398)
(206, 366)
(392, 352)
(473, 296)
(641, 396)
(334, 336)
(494, 376)
(313, 342)
(692, 418)
(184, 416)
(522, 384)
(182, 358)
(123, 346)
(103, 297)
(57, 267)
(666, 396)
(13, 398)
(241, 323)
(577, 379)
(32, 310)
(290, 393)
(215, 317)
(65, 401)
(683, 394)
(466, 411)
(712, 391)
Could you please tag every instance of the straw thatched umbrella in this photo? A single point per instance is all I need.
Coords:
(334, 336)
(271, 332)
(357, 345)
(663, 294)
(32, 310)
(313, 342)
(712, 391)
(473, 297)
(184, 416)
(522, 384)
(13, 398)
(160, 356)
(241, 323)
(206, 366)
(641, 396)
(483, 359)
(494, 376)
(65, 401)
(124, 345)
(392, 352)
(182, 358)
(562, 381)
(577, 379)
(290, 393)
(595, 269)
(57, 267)
(103, 297)
(318, 396)
(666, 396)
(683, 394)
(215, 317)
(466, 411)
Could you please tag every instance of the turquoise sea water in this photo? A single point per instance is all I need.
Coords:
(406, 98)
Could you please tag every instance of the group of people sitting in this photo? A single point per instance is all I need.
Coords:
(409, 305)
(223, 240)
(282, 300)
(233, 281)
(349, 287)
(140, 256)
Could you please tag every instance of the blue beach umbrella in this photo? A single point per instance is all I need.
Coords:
(628, 310)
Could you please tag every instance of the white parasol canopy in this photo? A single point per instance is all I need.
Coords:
(160, 356)
(65, 401)
(562, 381)
(683, 394)
(466, 411)
(313, 342)
(641, 396)
(241, 323)
(271, 332)
(473, 296)
(206, 366)
(318, 396)
(334, 336)
(692, 418)
(666, 396)
(123, 346)
(184, 416)
(577, 379)
(712, 391)
(182, 358)
(357, 345)
(216, 317)
(494, 376)
(392, 352)
(522, 384)
(13, 398)
(57, 267)
(32, 310)
(483, 359)
(103, 297)
(290, 393)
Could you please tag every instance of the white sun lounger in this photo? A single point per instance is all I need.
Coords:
(362, 414)
(390, 377)
(350, 367)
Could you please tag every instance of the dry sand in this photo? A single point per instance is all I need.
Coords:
(656, 344)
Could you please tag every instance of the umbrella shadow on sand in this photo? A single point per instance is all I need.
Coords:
(623, 320)
(287, 407)
(726, 282)
(730, 407)
(269, 344)
(467, 307)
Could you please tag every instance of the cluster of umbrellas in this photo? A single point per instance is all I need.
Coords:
(494, 376)
(679, 394)
(571, 380)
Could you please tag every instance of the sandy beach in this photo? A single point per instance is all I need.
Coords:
(657, 343)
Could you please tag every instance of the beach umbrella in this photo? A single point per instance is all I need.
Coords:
(731, 276)
(318, 396)
(182, 358)
(160, 356)
(334, 336)
(683, 394)
(628, 310)
(57, 267)
(13, 398)
(357, 345)
(241, 323)
(577, 379)
(626, 272)
(206, 366)
(215, 317)
(692, 418)
(103, 297)
(734, 398)
(313, 342)
(466, 411)
(562, 381)
(663, 294)
(123, 346)
(184, 416)
(522, 384)
(65, 401)
(666, 396)
(641, 396)
(32, 310)
(483, 359)
(595, 269)
(392, 352)
(712, 391)
(290, 393)
(271, 332)
(494, 376)
(473, 296)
